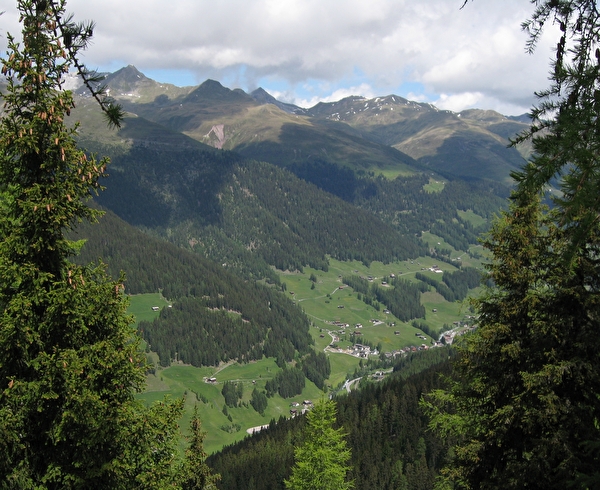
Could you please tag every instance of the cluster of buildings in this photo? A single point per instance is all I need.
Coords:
(300, 408)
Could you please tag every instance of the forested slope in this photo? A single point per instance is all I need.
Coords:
(387, 433)
(216, 316)
(242, 212)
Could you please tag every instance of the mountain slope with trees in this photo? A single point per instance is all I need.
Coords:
(390, 444)
(522, 408)
(216, 316)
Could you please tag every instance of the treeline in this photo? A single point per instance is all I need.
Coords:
(454, 285)
(292, 223)
(416, 362)
(150, 263)
(404, 203)
(232, 392)
(391, 445)
(403, 299)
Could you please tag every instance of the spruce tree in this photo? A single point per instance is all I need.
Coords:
(321, 461)
(69, 360)
(196, 475)
(523, 409)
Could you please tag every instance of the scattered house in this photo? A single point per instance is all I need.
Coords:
(397, 332)
(360, 350)
(387, 312)
(212, 380)
(155, 308)
(293, 412)
(340, 306)
(434, 310)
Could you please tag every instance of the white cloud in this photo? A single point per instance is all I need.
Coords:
(458, 102)
(366, 44)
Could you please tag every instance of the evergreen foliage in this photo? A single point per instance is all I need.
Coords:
(196, 474)
(152, 264)
(388, 437)
(321, 460)
(316, 367)
(213, 298)
(405, 204)
(240, 321)
(288, 382)
(523, 408)
(69, 362)
(244, 213)
(454, 285)
(403, 299)
(232, 392)
(259, 401)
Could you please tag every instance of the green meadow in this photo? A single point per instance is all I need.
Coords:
(325, 301)
(140, 306)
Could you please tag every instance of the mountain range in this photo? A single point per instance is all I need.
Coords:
(222, 199)
(387, 134)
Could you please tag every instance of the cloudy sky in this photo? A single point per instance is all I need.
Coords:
(306, 51)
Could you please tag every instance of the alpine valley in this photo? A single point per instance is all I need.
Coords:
(275, 255)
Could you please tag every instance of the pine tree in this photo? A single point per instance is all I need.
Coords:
(196, 474)
(524, 403)
(523, 410)
(69, 361)
(321, 461)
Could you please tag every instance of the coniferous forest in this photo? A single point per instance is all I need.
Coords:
(387, 433)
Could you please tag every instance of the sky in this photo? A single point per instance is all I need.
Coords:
(306, 51)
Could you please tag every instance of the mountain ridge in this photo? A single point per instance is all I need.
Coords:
(354, 132)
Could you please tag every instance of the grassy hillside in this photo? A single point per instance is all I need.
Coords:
(321, 305)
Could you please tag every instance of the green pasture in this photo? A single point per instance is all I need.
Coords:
(140, 306)
(392, 173)
(472, 218)
(190, 382)
(341, 365)
(327, 302)
(434, 186)
(324, 301)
